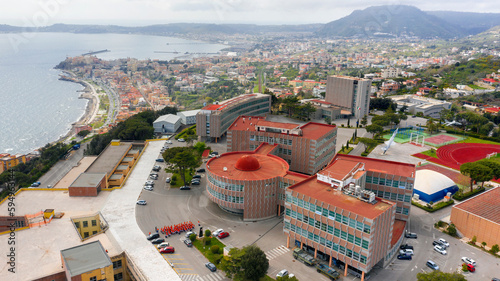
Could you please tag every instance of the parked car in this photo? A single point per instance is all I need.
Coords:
(440, 249)
(411, 235)
(197, 177)
(216, 233)
(167, 250)
(193, 182)
(223, 235)
(168, 180)
(163, 245)
(150, 183)
(201, 170)
(470, 267)
(160, 160)
(404, 257)
(444, 242)
(185, 187)
(36, 184)
(181, 140)
(153, 176)
(189, 234)
(148, 188)
(407, 252)
(438, 243)
(432, 265)
(406, 246)
(49, 186)
(156, 168)
(141, 202)
(469, 261)
(188, 243)
(153, 236)
(158, 241)
(211, 266)
(282, 273)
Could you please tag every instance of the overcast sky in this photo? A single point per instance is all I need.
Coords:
(145, 12)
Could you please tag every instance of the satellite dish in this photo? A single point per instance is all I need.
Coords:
(224, 169)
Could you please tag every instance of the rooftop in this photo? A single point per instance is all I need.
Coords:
(85, 258)
(219, 106)
(485, 205)
(309, 130)
(171, 118)
(88, 180)
(226, 166)
(381, 166)
(397, 231)
(109, 158)
(323, 192)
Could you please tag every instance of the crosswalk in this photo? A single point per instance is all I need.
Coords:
(214, 276)
(276, 252)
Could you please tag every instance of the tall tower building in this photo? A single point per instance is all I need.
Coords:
(350, 94)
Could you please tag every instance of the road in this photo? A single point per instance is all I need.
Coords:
(62, 167)
(114, 102)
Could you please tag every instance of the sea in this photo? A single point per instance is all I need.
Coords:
(35, 107)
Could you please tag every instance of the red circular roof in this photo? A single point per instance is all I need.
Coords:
(247, 163)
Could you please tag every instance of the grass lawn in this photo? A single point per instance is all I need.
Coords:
(475, 140)
(431, 153)
(205, 249)
(179, 182)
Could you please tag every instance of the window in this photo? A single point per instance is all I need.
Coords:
(357, 241)
(77, 224)
(330, 229)
(93, 278)
(94, 232)
(343, 235)
(85, 224)
(85, 234)
(117, 264)
(350, 238)
(118, 276)
(336, 232)
(94, 222)
(364, 244)
(363, 259)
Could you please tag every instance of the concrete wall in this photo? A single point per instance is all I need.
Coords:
(60, 276)
(471, 225)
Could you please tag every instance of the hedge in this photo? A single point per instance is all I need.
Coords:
(436, 207)
(462, 196)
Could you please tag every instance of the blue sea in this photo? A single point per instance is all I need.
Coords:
(35, 107)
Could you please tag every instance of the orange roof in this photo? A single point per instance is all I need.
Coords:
(310, 130)
(324, 193)
(485, 205)
(382, 166)
(397, 231)
(225, 166)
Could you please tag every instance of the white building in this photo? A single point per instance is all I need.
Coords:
(188, 117)
(167, 124)
(428, 107)
(391, 72)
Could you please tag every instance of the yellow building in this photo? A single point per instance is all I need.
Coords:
(88, 262)
(8, 161)
(89, 226)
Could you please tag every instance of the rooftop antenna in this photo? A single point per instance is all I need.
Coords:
(389, 143)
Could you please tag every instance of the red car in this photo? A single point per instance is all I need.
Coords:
(167, 250)
(223, 235)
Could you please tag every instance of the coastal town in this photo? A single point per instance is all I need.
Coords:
(285, 156)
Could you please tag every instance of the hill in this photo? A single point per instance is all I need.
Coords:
(392, 20)
(472, 23)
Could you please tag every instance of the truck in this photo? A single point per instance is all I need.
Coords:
(303, 256)
(328, 271)
(76, 146)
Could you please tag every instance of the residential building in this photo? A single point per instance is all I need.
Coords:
(213, 120)
(306, 148)
(8, 161)
(334, 215)
(479, 217)
(427, 106)
(350, 94)
(87, 262)
(390, 72)
(167, 124)
(324, 109)
(88, 226)
(188, 117)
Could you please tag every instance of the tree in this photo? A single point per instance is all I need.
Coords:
(83, 133)
(494, 249)
(254, 263)
(477, 172)
(493, 165)
(200, 147)
(364, 121)
(483, 244)
(287, 278)
(208, 233)
(374, 129)
(367, 142)
(474, 240)
(249, 263)
(403, 109)
(180, 159)
(437, 275)
(192, 237)
(452, 230)
(215, 249)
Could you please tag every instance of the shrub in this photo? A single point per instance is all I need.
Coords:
(215, 249)
(208, 233)
(474, 240)
(483, 243)
(441, 223)
(207, 240)
(494, 249)
(452, 230)
(464, 267)
(192, 237)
